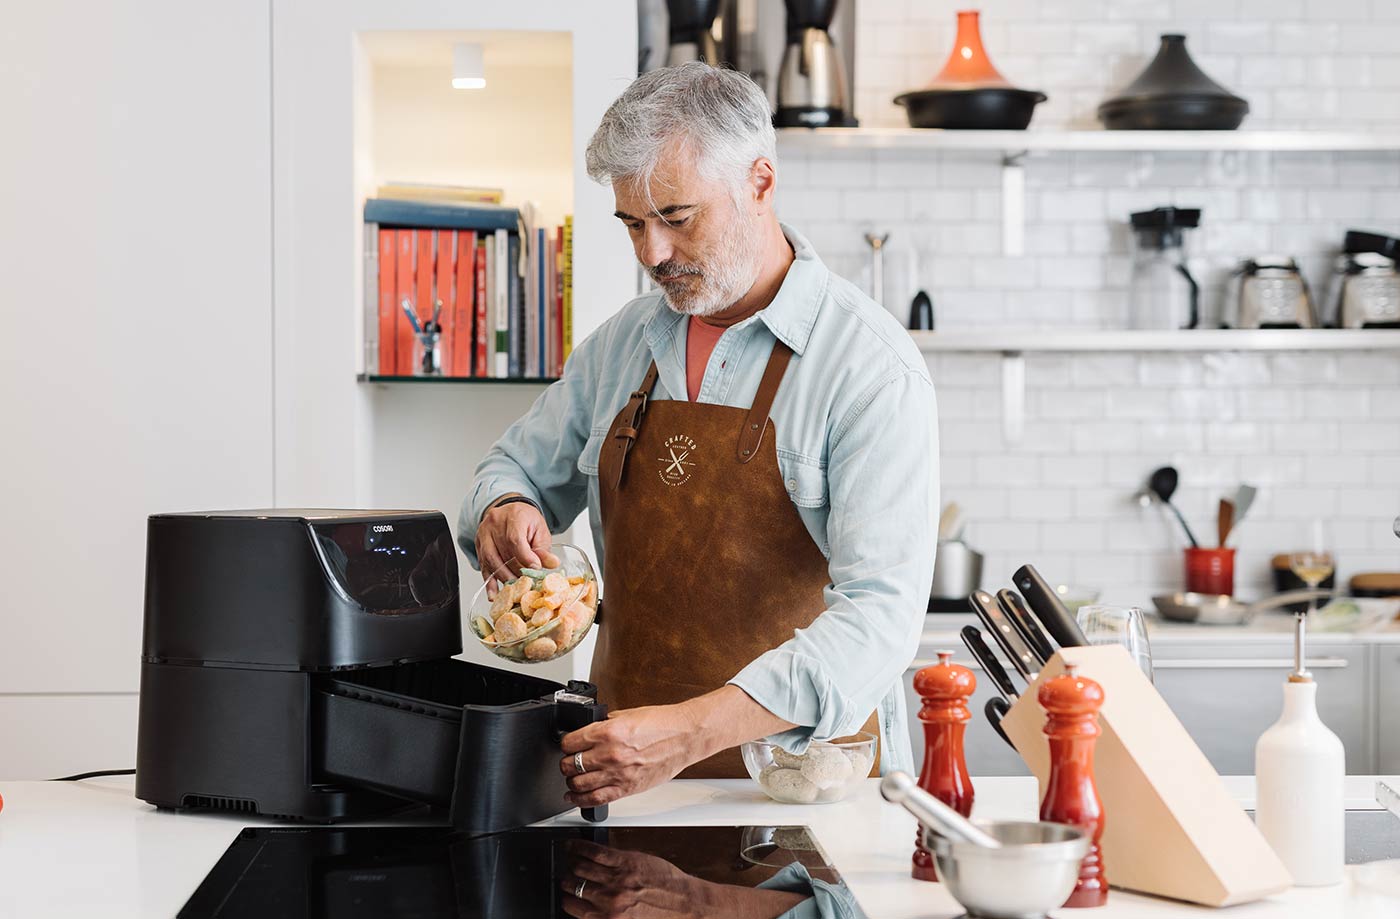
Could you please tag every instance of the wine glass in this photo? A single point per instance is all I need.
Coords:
(1118, 625)
(1312, 566)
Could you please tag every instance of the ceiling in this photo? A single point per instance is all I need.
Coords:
(501, 49)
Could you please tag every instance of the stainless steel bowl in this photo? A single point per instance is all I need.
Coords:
(957, 571)
(1032, 873)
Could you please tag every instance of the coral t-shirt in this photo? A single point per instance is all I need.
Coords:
(700, 339)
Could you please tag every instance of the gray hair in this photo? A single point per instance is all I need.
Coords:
(721, 117)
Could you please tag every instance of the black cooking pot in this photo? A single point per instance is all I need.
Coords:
(990, 108)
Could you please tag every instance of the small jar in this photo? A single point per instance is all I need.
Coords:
(427, 353)
(1210, 571)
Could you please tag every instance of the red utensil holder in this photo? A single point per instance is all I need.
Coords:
(1210, 571)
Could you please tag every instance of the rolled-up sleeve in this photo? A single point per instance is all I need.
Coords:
(538, 455)
(882, 479)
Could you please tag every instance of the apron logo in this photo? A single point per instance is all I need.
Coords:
(676, 465)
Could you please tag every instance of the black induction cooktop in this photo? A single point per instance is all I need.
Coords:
(537, 872)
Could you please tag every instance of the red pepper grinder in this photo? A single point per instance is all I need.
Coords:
(945, 688)
(1072, 703)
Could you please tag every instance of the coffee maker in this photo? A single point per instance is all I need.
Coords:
(1163, 294)
(688, 32)
(812, 89)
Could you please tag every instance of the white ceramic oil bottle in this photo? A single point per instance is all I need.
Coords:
(1300, 768)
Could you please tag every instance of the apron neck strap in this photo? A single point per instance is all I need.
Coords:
(625, 434)
(752, 434)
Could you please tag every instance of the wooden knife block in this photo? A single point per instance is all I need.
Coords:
(1171, 828)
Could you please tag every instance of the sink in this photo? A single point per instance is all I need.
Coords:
(1371, 836)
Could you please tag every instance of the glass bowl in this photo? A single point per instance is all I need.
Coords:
(537, 614)
(1074, 596)
(827, 772)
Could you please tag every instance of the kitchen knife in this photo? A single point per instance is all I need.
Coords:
(972, 637)
(1048, 608)
(1015, 610)
(1010, 641)
(996, 709)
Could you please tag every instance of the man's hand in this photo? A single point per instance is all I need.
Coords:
(636, 749)
(510, 537)
(633, 750)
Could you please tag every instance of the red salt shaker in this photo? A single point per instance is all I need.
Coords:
(1072, 704)
(945, 688)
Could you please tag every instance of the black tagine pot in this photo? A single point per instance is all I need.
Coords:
(988, 108)
(1173, 94)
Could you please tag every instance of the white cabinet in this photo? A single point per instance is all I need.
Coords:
(1387, 661)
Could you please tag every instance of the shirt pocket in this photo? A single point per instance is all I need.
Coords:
(592, 449)
(804, 479)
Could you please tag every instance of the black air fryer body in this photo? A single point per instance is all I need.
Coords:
(299, 664)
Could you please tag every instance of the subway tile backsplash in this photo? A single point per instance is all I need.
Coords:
(1318, 433)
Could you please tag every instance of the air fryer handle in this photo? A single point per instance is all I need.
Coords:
(572, 712)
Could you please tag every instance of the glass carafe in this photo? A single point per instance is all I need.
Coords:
(1162, 293)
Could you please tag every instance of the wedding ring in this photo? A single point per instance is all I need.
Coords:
(578, 763)
(578, 891)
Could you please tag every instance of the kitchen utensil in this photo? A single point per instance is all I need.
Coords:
(812, 89)
(1223, 609)
(876, 242)
(689, 24)
(826, 772)
(1162, 294)
(1118, 625)
(921, 312)
(1005, 634)
(900, 788)
(1174, 829)
(949, 521)
(1244, 499)
(1071, 702)
(1025, 624)
(510, 631)
(1042, 857)
(1269, 292)
(957, 571)
(1173, 94)
(943, 689)
(969, 92)
(1046, 605)
(972, 637)
(1366, 282)
(1224, 520)
(996, 709)
(1162, 483)
(1300, 772)
(300, 664)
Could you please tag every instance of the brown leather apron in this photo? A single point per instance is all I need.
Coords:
(708, 563)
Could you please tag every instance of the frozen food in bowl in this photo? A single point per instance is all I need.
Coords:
(532, 615)
(827, 772)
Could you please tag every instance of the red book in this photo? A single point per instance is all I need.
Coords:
(461, 344)
(403, 284)
(446, 244)
(479, 367)
(423, 282)
(388, 308)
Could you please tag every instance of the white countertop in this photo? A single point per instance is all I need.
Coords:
(92, 849)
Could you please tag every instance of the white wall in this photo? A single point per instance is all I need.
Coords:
(135, 373)
(1318, 433)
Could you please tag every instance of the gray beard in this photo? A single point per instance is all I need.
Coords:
(727, 278)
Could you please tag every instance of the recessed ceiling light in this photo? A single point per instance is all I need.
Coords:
(468, 69)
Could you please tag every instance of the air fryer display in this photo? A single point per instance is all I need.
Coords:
(392, 566)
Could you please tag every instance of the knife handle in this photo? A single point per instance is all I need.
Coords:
(1011, 604)
(1005, 634)
(996, 709)
(972, 637)
(1048, 608)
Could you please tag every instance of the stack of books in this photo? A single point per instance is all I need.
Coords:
(501, 288)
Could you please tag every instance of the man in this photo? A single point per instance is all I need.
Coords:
(756, 445)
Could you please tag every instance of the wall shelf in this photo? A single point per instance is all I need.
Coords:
(1018, 142)
(1012, 341)
(376, 378)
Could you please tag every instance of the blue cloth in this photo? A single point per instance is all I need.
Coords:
(857, 441)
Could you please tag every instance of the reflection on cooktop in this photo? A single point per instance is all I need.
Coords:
(537, 872)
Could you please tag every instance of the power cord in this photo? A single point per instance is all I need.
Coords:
(93, 775)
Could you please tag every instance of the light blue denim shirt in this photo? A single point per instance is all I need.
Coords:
(857, 440)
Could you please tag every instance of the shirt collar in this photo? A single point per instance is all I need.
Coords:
(790, 316)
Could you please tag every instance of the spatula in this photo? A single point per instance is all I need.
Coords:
(1224, 520)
